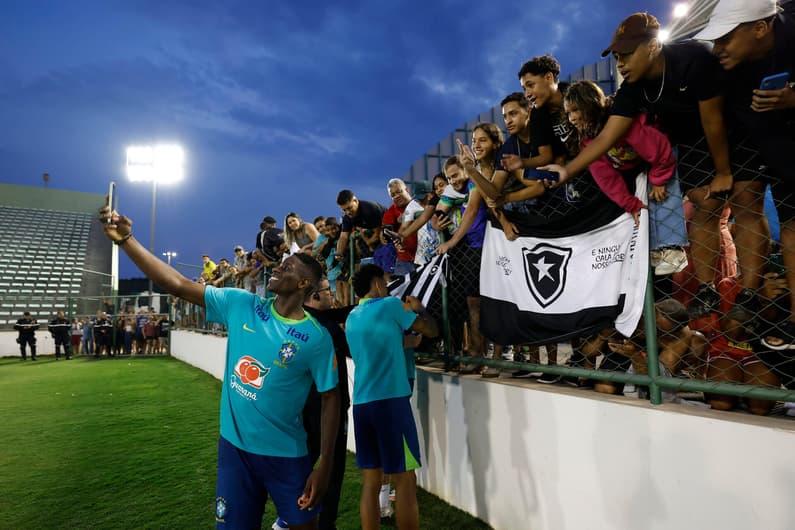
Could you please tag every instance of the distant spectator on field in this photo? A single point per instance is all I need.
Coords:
(60, 328)
(77, 335)
(27, 326)
(150, 333)
(140, 339)
(299, 233)
(401, 213)
(103, 334)
(88, 336)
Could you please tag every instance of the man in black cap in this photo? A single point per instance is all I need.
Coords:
(27, 327)
(269, 235)
(60, 330)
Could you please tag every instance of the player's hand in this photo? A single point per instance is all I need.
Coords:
(658, 193)
(511, 163)
(636, 217)
(414, 304)
(119, 227)
(767, 100)
(411, 341)
(466, 154)
(560, 170)
(315, 488)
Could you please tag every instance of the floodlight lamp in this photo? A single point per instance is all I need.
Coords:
(163, 164)
(681, 10)
(663, 35)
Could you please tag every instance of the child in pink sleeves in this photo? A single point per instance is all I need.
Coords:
(644, 148)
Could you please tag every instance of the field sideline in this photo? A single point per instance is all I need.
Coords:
(127, 443)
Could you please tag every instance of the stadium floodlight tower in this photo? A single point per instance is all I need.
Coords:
(169, 254)
(158, 164)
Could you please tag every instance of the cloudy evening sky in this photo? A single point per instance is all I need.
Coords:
(278, 105)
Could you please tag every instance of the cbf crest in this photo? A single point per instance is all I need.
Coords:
(286, 354)
(545, 271)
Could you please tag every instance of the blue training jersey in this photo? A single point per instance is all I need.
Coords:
(271, 363)
(374, 330)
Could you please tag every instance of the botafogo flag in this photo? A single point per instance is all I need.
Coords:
(548, 289)
(422, 282)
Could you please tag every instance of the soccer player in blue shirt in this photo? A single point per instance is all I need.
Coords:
(386, 436)
(275, 351)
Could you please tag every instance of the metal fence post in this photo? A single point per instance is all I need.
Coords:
(352, 257)
(447, 354)
(652, 354)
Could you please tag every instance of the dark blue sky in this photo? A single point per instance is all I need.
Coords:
(278, 105)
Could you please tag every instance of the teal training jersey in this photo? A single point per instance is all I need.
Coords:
(271, 362)
(374, 330)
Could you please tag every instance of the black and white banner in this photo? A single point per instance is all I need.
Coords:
(537, 290)
(422, 282)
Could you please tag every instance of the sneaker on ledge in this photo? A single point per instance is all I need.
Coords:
(549, 379)
(671, 261)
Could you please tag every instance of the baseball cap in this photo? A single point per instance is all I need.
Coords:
(729, 14)
(238, 247)
(268, 219)
(633, 30)
(422, 188)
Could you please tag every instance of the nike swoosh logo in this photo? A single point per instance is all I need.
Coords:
(246, 328)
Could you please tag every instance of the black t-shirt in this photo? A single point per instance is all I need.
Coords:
(773, 133)
(516, 146)
(551, 126)
(692, 75)
(368, 216)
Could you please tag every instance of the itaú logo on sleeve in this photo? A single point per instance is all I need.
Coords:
(249, 372)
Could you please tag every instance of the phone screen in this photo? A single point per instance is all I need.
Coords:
(775, 82)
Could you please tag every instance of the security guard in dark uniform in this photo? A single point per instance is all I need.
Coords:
(27, 334)
(102, 334)
(60, 329)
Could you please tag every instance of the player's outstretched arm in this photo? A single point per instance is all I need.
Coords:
(120, 232)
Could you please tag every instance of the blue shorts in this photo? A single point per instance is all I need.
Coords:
(245, 480)
(386, 436)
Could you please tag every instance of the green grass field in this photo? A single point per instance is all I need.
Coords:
(127, 443)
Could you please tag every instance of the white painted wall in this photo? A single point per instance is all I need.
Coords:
(524, 457)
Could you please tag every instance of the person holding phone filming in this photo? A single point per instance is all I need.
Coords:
(754, 40)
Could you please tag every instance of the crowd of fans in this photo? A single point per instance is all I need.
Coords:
(715, 145)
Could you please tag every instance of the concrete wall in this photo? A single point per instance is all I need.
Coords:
(523, 456)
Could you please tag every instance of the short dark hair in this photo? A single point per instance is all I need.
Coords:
(344, 197)
(26, 314)
(453, 161)
(223, 259)
(674, 311)
(542, 65)
(318, 219)
(331, 221)
(312, 267)
(517, 97)
(363, 280)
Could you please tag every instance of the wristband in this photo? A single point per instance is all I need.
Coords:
(123, 240)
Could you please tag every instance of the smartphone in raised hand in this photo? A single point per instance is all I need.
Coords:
(111, 200)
